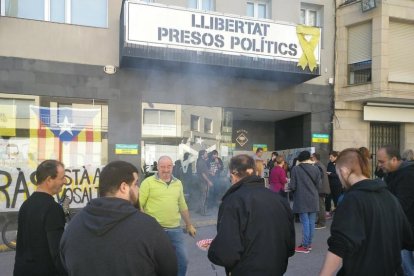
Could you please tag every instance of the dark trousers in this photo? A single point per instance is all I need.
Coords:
(336, 191)
(321, 220)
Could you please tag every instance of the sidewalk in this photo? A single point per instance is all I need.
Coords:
(200, 221)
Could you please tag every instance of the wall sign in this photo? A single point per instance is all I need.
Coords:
(173, 27)
(241, 137)
(320, 138)
(256, 146)
(126, 149)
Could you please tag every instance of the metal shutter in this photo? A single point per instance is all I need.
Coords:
(401, 63)
(359, 43)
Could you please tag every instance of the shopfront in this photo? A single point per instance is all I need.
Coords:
(186, 81)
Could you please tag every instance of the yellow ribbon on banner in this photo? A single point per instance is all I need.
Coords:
(308, 47)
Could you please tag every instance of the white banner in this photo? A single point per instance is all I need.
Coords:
(17, 184)
(173, 27)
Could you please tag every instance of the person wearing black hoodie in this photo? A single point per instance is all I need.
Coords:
(399, 177)
(369, 228)
(111, 237)
(255, 231)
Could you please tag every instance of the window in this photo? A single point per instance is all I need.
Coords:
(308, 17)
(206, 5)
(311, 15)
(359, 53)
(195, 122)
(159, 117)
(360, 72)
(257, 9)
(82, 12)
(208, 126)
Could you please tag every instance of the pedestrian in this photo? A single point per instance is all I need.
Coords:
(215, 165)
(255, 229)
(260, 163)
(204, 182)
(334, 183)
(41, 222)
(305, 182)
(110, 236)
(399, 178)
(271, 162)
(369, 227)
(323, 191)
(278, 179)
(161, 196)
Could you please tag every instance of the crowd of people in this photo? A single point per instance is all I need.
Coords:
(134, 227)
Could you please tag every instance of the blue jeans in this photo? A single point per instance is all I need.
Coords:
(407, 262)
(176, 236)
(308, 227)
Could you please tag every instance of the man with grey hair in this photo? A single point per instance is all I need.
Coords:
(161, 196)
(399, 178)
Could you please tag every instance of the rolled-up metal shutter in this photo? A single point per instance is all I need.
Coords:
(359, 43)
(401, 63)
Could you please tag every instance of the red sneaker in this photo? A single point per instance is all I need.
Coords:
(302, 249)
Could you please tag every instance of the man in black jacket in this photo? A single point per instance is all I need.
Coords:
(111, 237)
(400, 181)
(255, 231)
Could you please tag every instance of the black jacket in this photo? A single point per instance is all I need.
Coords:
(40, 226)
(369, 230)
(110, 237)
(333, 177)
(255, 231)
(401, 184)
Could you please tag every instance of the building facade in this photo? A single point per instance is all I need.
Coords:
(374, 80)
(138, 80)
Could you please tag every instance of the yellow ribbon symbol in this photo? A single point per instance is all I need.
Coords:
(308, 47)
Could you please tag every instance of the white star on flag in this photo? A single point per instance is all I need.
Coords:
(199, 140)
(65, 126)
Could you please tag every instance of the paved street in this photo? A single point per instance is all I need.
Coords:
(299, 264)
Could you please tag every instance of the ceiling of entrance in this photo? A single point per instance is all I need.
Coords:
(262, 114)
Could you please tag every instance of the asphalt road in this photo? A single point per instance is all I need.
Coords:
(299, 264)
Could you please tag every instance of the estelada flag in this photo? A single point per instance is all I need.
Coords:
(65, 133)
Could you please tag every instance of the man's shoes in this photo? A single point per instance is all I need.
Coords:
(302, 249)
(320, 226)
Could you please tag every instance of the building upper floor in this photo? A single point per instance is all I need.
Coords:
(88, 31)
(373, 51)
